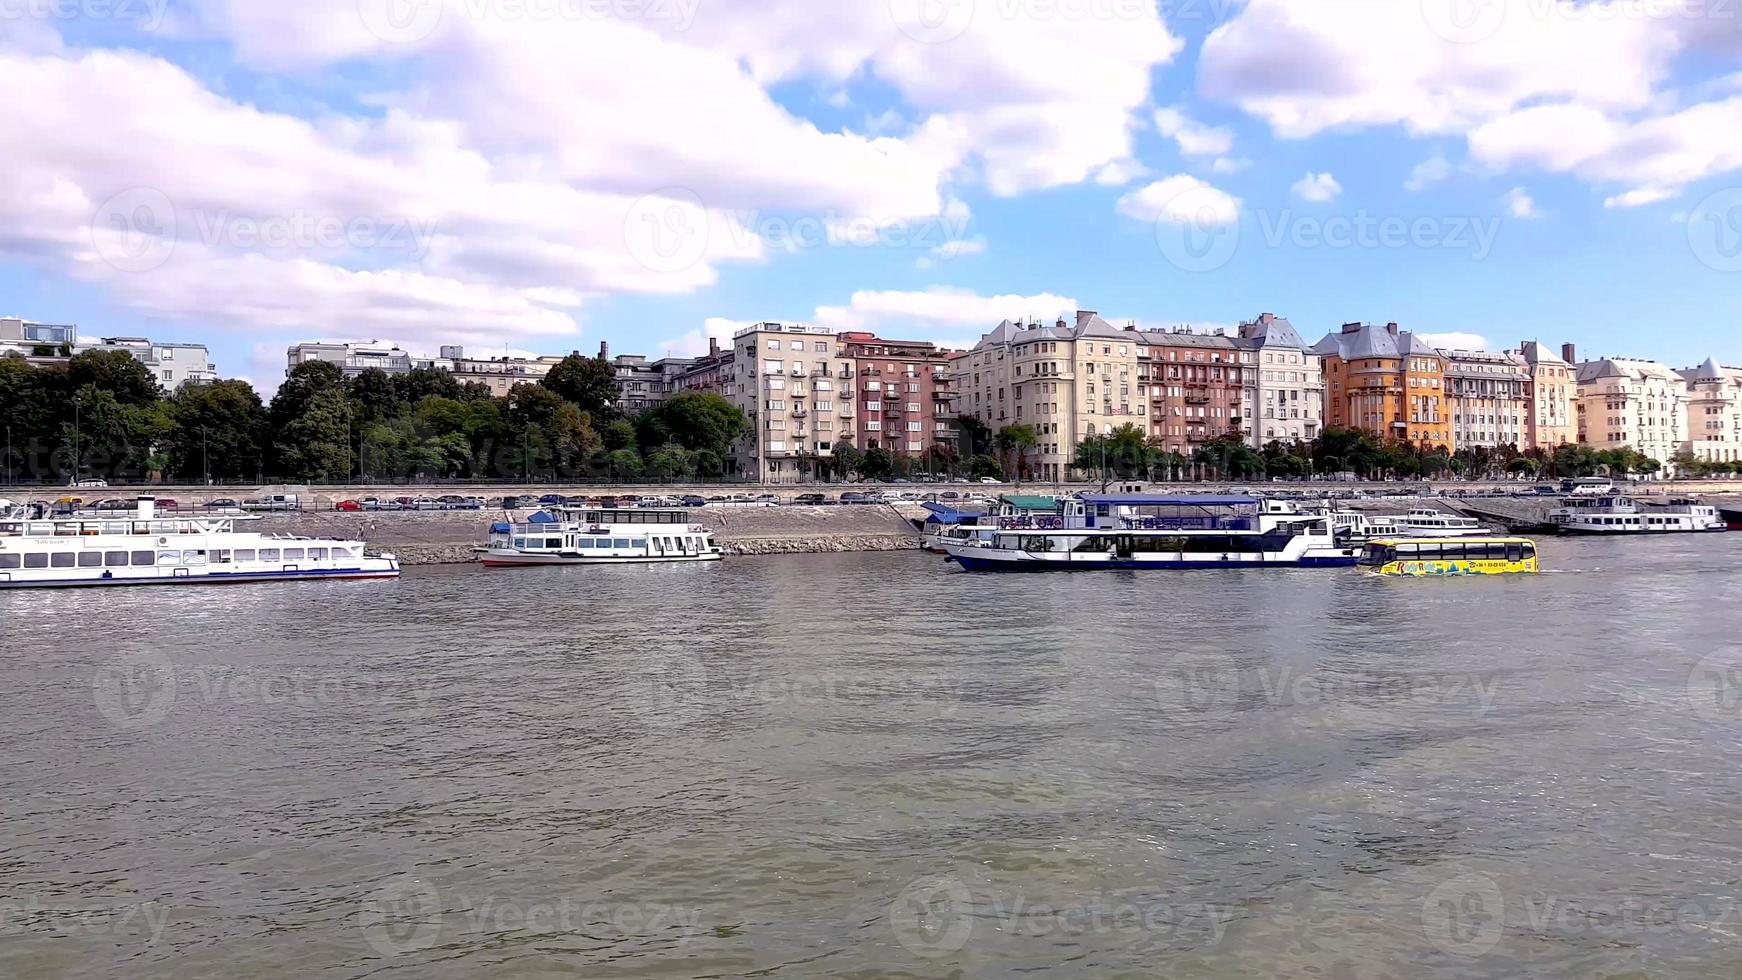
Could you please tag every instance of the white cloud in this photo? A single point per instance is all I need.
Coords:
(941, 307)
(1181, 199)
(1120, 172)
(1194, 138)
(956, 248)
(1520, 204)
(1456, 341)
(1427, 173)
(1317, 188)
(695, 343)
(1229, 165)
(1639, 197)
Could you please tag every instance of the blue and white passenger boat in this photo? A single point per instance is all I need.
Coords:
(1121, 531)
(143, 547)
(599, 536)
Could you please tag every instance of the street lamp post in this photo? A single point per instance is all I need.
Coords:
(205, 456)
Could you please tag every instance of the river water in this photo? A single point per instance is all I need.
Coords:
(878, 766)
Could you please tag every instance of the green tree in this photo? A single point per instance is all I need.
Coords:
(315, 445)
(589, 383)
(374, 397)
(984, 467)
(847, 458)
(619, 435)
(669, 462)
(696, 420)
(877, 464)
(116, 372)
(218, 429)
(1015, 442)
(624, 464)
(976, 436)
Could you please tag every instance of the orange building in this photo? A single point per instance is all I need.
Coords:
(1386, 381)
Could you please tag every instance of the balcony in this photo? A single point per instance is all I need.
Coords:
(799, 413)
(797, 393)
(1197, 398)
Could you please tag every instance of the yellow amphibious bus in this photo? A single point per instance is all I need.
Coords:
(1427, 557)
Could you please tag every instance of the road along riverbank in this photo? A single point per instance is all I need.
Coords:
(447, 537)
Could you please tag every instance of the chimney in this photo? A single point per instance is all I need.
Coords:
(1570, 353)
(1351, 328)
(713, 347)
(604, 351)
(1391, 328)
(1061, 323)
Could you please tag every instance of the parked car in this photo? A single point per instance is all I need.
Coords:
(988, 479)
(855, 497)
(810, 500)
(113, 505)
(90, 484)
(768, 498)
(551, 500)
(168, 503)
(454, 501)
(427, 503)
(348, 506)
(949, 495)
(515, 503)
(691, 500)
(222, 503)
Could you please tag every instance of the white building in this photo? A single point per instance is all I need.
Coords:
(1633, 403)
(48, 343)
(1490, 396)
(352, 357)
(1714, 412)
(1291, 382)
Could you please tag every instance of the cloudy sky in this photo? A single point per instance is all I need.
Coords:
(548, 174)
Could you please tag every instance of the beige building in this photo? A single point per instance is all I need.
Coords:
(1549, 416)
(1289, 405)
(1068, 380)
(1714, 412)
(1488, 395)
(499, 374)
(1633, 403)
(796, 386)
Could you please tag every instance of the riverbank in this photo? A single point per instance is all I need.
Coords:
(448, 537)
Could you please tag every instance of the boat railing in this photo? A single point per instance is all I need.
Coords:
(1186, 523)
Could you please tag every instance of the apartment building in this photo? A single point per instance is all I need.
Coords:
(1290, 382)
(1201, 387)
(172, 364)
(1070, 381)
(904, 396)
(1489, 398)
(711, 372)
(1634, 403)
(1388, 381)
(1549, 416)
(499, 374)
(790, 380)
(1714, 412)
(644, 384)
(352, 356)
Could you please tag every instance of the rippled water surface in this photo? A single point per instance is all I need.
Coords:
(877, 766)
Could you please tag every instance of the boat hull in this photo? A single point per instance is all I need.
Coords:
(973, 562)
(493, 560)
(214, 578)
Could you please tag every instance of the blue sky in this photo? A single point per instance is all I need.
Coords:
(649, 172)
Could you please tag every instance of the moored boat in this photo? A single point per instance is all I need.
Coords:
(1426, 522)
(1143, 531)
(1619, 515)
(599, 536)
(143, 547)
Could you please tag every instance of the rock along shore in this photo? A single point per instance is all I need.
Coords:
(448, 537)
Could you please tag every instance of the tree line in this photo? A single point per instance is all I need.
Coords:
(103, 415)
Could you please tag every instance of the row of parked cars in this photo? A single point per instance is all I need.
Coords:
(445, 502)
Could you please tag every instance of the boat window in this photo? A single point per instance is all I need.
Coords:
(142, 558)
(554, 544)
(620, 543)
(519, 542)
(36, 561)
(62, 560)
(638, 543)
(269, 554)
(315, 554)
(221, 555)
(91, 559)
(193, 558)
(293, 554)
(10, 561)
(244, 555)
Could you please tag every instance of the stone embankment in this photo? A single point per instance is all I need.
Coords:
(447, 537)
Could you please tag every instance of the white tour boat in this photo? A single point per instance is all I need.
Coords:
(1144, 531)
(145, 548)
(1356, 527)
(1622, 515)
(599, 536)
(1426, 522)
